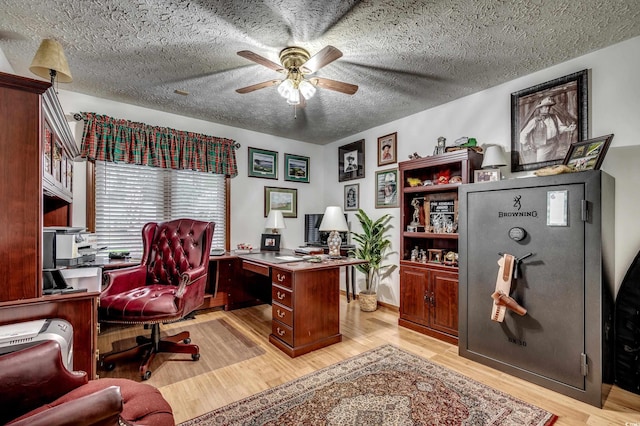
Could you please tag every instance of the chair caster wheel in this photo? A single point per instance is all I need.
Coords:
(195, 357)
(146, 375)
(186, 341)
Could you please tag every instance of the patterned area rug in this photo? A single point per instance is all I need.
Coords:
(384, 386)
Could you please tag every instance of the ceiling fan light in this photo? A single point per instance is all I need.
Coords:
(294, 97)
(285, 88)
(307, 89)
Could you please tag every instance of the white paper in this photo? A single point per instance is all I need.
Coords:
(557, 208)
(288, 258)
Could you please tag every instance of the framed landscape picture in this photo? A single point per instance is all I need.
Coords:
(546, 119)
(351, 161)
(589, 154)
(296, 168)
(263, 163)
(283, 199)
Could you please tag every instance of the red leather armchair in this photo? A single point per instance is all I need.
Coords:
(37, 390)
(168, 284)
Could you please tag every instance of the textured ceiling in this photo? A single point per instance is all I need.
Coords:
(405, 56)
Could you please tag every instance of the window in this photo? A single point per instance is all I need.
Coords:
(128, 196)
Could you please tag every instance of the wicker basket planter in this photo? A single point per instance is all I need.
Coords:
(368, 301)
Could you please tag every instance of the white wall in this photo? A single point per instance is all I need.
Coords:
(614, 107)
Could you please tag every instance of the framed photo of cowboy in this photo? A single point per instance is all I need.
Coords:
(546, 119)
(386, 188)
(387, 149)
(351, 161)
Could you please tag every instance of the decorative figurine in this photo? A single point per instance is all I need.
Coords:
(414, 156)
(439, 149)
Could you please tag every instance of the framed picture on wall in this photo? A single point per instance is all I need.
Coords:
(296, 168)
(263, 163)
(351, 161)
(546, 119)
(387, 149)
(283, 199)
(352, 197)
(386, 188)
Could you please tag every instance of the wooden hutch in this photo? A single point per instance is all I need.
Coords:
(36, 169)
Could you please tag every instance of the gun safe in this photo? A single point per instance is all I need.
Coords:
(557, 236)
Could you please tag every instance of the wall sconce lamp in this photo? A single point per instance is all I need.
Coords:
(50, 62)
(334, 222)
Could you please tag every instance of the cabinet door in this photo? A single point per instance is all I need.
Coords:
(413, 284)
(443, 295)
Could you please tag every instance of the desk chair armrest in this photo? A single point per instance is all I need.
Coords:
(191, 277)
(121, 280)
(34, 376)
(99, 408)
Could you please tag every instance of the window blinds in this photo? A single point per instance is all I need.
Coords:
(128, 196)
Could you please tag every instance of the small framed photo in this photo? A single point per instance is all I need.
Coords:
(283, 199)
(387, 188)
(352, 197)
(263, 163)
(270, 242)
(546, 119)
(589, 154)
(387, 149)
(351, 161)
(296, 168)
(487, 175)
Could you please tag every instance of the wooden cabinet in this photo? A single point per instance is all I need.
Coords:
(429, 241)
(35, 190)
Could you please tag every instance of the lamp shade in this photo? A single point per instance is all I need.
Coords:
(275, 220)
(50, 56)
(333, 220)
(493, 157)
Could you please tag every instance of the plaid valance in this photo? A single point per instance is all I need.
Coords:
(110, 139)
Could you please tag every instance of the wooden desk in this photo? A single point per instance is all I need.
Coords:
(305, 300)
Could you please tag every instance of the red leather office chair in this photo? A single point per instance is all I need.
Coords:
(37, 390)
(168, 285)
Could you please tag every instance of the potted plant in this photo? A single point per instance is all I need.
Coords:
(372, 244)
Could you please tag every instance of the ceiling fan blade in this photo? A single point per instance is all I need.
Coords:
(261, 60)
(320, 59)
(337, 86)
(262, 85)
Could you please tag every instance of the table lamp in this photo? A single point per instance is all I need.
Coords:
(275, 221)
(334, 222)
(493, 158)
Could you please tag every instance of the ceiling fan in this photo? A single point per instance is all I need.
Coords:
(297, 64)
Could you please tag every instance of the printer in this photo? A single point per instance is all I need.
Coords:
(69, 246)
(22, 335)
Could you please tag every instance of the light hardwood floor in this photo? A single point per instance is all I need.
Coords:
(362, 331)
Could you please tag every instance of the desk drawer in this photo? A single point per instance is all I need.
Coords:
(255, 267)
(282, 313)
(281, 295)
(280, 277)
(282, 332)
